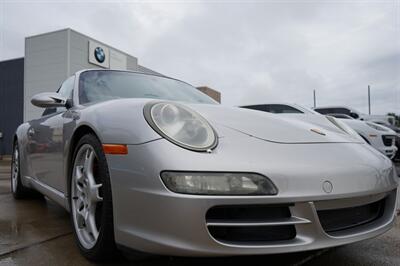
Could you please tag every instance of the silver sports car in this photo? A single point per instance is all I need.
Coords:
(149, 163)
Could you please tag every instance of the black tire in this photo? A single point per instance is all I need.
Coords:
(18, 190)
(105, 248)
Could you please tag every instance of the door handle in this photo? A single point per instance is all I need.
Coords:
(31, 132)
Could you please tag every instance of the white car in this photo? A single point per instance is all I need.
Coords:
(341, 110)
(378, 136)
(325, 110)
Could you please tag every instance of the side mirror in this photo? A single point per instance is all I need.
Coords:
(48, 99)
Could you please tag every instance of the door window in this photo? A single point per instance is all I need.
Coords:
(66, 90)
(67, 87)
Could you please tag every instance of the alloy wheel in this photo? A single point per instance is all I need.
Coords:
(15, 170)
(86, 197)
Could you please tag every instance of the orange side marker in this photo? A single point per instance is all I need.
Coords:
(115, 149)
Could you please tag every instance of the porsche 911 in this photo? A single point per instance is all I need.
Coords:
(150, 164)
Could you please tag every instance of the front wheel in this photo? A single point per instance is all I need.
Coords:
(91, 201)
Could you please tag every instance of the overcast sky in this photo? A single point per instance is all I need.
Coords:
(253, 51)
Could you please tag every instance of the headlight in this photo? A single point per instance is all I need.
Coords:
(375, 126)
(218, 183)
(181, 125)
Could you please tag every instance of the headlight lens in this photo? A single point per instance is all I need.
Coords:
(218, 183)
(181, 125)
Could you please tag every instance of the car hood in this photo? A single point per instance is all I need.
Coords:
(363, 126)
(273, 127)
(118, 121)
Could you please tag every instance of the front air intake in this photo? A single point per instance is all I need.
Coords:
(346, 218)
(251, 224)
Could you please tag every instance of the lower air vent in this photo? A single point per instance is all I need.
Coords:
(252, 224)
(251, 234)
(347, 218)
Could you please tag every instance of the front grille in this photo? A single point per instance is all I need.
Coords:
(388, 140)
(347, 218)
(251, 224)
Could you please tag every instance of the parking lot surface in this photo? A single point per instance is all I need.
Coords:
(38, 232)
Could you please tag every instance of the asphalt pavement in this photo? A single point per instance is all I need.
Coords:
(38, 232)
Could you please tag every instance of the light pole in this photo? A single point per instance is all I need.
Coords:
(315, 100)
(369, 100)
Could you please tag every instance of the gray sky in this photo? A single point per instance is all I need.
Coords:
(253, 51)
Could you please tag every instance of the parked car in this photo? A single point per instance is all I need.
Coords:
(341, 116)
(397, 130)
(340, 110)
(281, 108)
(149, 163)
(353, 113)
(379, 137)
(385, 124)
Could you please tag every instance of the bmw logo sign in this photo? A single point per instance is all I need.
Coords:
(99, 54)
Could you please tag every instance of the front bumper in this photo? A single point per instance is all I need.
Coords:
(390, 152)
(177, 226)
(150, 218)
(387, 147)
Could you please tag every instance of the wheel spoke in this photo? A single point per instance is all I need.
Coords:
(79, 179)
(91, 223)
(80, 204)
(93, 188)
(88, 165)
(80, 216)
(94, 194)
(79, 174)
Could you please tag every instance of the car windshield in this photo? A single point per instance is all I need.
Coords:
(103, 85)
(282, 109)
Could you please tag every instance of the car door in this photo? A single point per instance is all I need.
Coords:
(45, 142)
